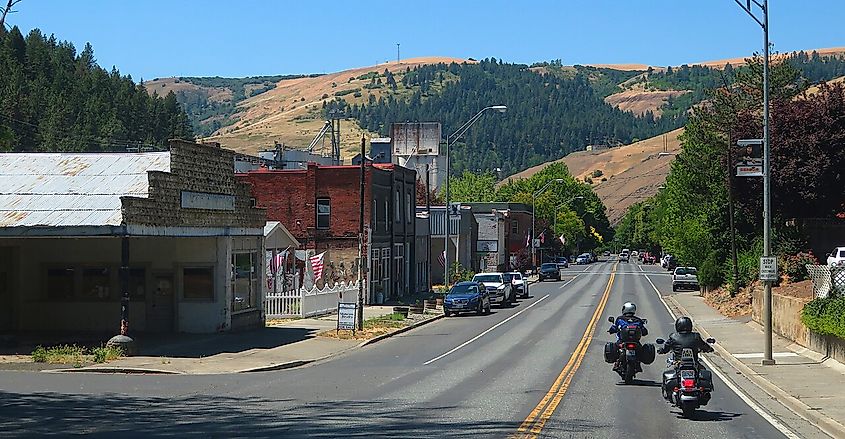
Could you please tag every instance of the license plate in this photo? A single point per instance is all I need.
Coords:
(458, 305)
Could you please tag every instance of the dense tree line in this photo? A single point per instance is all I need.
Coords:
(53, 99)
(689, 218)
(548, 116)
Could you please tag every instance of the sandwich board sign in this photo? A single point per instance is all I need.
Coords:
(346, 316)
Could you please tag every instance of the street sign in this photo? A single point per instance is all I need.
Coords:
(768, 269)
(346, 315)
(749, 167)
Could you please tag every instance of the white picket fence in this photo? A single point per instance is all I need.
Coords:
(309, 302)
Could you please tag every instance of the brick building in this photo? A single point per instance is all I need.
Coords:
(178, 220)
(503, 232)
(320, 207)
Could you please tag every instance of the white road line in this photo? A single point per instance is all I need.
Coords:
(487, 331)
(739, 392)
(496, 325)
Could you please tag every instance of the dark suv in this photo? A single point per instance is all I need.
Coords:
(549, 270)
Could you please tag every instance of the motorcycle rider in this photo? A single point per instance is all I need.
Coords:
(684, 337)
(628, 318)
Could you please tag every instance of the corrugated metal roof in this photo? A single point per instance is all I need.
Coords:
(72, 189)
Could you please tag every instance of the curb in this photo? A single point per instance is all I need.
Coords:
(824, 423)
(399, 331)
(117, 369)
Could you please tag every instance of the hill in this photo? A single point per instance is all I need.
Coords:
(628, 174)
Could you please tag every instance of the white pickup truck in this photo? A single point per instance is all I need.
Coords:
(685, 277)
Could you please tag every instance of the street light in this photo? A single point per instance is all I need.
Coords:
(449, 141)
(533, 217)
(768, 359)
(561, 205)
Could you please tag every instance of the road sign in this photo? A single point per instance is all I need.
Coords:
(346, 315)
(749, 167)
(768, 269)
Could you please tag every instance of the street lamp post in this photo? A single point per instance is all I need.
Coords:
(533, 218)
(449, 141)
(763, 21)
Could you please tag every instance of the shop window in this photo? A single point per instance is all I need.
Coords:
(385, 263)
(375, 270)
(198, 283)
(324, 213)
(514, 226)
(60, 283)
(96, 284)
(244, 281)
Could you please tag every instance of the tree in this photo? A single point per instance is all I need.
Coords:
(470, 187)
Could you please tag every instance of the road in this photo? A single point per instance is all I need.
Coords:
(535, 368)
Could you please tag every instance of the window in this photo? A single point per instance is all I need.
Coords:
(324, 211)
(60, 283)
(514, 226)
(244, 281)
(386, 217)
(375, 270)
(198, 283)
(96, 284)
(385, 263)
(374, 215)
(397, 207)
(410, 210)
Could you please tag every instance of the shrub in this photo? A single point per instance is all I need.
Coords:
(597, 173)
(795, 266)
(39, 355)
(825, 316)
(107, 353)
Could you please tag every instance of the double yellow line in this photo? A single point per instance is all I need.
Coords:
(536, 420)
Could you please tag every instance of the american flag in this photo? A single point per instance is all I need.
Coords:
(442, 258)
(317, 265)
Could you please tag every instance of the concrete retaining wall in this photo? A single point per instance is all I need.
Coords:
(786, 322)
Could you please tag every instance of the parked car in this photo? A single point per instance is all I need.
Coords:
(518, 284)
(549, 270)
(623, 257)
(583, 259)
(562, 262)
(500, 290)
(606, 253)
(468, 296)
(836, 257)
(634, 254)
(685, 277)
(663, 260)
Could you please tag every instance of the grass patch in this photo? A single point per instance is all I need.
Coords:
(373, 327)
(75, 355)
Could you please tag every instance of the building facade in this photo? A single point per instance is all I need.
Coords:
(320, 206)
(184, 229)
(504, 229)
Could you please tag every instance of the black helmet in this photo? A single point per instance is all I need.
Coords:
(683, 324)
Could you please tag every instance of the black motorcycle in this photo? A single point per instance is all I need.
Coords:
(685, 384)
(628, 353)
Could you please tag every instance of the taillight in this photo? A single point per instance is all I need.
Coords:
(632, 346)
(688, 383)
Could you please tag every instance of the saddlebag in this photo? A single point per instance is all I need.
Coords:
(647, 353)
(611, 352)
(705, 380)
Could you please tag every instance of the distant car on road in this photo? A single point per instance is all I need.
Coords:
(549, 270)
(500, 290)
(623, 257)
(583, 259)
(671, 263)
(467, 297)
(663, 260)
(836, 257)
(518, 284)
(685, 277)
(606, 253)
(562, 262)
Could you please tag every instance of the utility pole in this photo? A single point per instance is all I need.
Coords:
(428, 212)
(397, 53)
(359, 318)
(729, 166)
(768, 359)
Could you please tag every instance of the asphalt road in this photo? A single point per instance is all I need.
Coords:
(535, 368)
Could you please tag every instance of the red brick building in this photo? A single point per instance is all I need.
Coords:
(320, 207)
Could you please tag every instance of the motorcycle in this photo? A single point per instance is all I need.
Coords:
(685, 384)
(628, 353)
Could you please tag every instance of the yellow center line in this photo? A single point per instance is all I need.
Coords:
(536, 420)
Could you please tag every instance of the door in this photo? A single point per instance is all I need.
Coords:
(160, 305)
(7, 288)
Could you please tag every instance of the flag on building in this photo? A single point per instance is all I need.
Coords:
(317, 265)
(527, 239)
(562, 240)
(442, 258)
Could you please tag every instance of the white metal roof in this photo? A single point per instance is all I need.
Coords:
(72, 189)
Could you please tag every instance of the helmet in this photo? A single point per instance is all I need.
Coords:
(629, 308)
(683, 324)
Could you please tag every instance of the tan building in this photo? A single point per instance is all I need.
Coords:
(195, 260)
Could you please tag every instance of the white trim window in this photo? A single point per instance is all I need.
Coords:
(324, 213)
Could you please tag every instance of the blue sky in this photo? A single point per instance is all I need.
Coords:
(157, 38)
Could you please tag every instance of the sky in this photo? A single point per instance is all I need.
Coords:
(158, 38)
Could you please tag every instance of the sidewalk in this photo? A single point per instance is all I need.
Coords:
(802, 380)
(288, 344)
